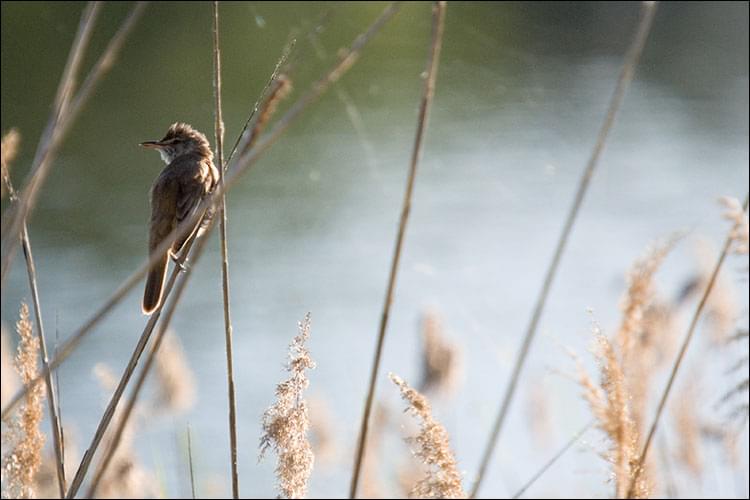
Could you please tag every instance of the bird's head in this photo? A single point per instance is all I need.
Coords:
(180, 139)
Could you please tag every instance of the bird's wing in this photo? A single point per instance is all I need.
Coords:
(192, 189)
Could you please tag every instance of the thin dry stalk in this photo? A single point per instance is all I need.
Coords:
(238, 168)
(199, 244)
(190, 462)
(286, 422)
(219, 134)
(442, 479)
(23, 440)
(51, 394)
(623, 82)
(62, 98)
(683, 349)
(110, 411)
(247, 137)
(352, 112)
(438, 23)
(127, 478)
(573, 440)
(280, 89)
(67, 110)
(723, 307)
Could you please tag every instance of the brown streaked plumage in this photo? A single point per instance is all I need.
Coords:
(190, 175)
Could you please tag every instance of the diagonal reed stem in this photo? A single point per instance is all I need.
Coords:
(109, 412)
(219, 132)
(60, 123)
(638, 468)
(573, 440)
(242, 164)
(626, 76)
(234, 172)
(52, 401)
(62, 97)
(51, 393)
(190, 461)
(438, 23)
(199, 245)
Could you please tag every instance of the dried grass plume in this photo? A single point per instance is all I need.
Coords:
(736, 214)
(441, 359)
(286, 422)
(442, 479)
(609, 402)
(176, 382)
(8, 153)
(8, 377)
(23, 441)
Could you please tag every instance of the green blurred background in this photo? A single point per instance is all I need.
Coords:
(521, 93)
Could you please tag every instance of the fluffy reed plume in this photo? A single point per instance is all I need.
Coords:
(735, 214)
(8, 376)
(442, 479)
(23, 440)
(638, 297)
(688, 427)
(125, 477)
(647, 335)
(609, 404)
(282, 87)
(45, 480)
(440, 360)
(538, 413)
(175, 379)
(322, 431)
(644, 339)
(7, 154)
(286, 422)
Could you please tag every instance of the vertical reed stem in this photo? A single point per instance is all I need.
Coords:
(219, 131)
(239, 167)
(438, 22)
(51, 393)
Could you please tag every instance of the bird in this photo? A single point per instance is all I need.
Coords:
(176, 195)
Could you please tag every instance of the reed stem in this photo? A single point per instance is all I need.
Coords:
(626, 76)
(438, 23)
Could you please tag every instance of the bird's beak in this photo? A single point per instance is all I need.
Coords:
(153, 144)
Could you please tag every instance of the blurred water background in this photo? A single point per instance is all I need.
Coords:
(521, 93)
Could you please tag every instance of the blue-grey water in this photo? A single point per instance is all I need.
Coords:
(521, 93)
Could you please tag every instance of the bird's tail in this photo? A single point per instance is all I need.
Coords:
(155, 285)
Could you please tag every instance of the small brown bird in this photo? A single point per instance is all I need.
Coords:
(190, 175)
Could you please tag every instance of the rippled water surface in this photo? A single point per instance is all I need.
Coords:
(521, 94)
